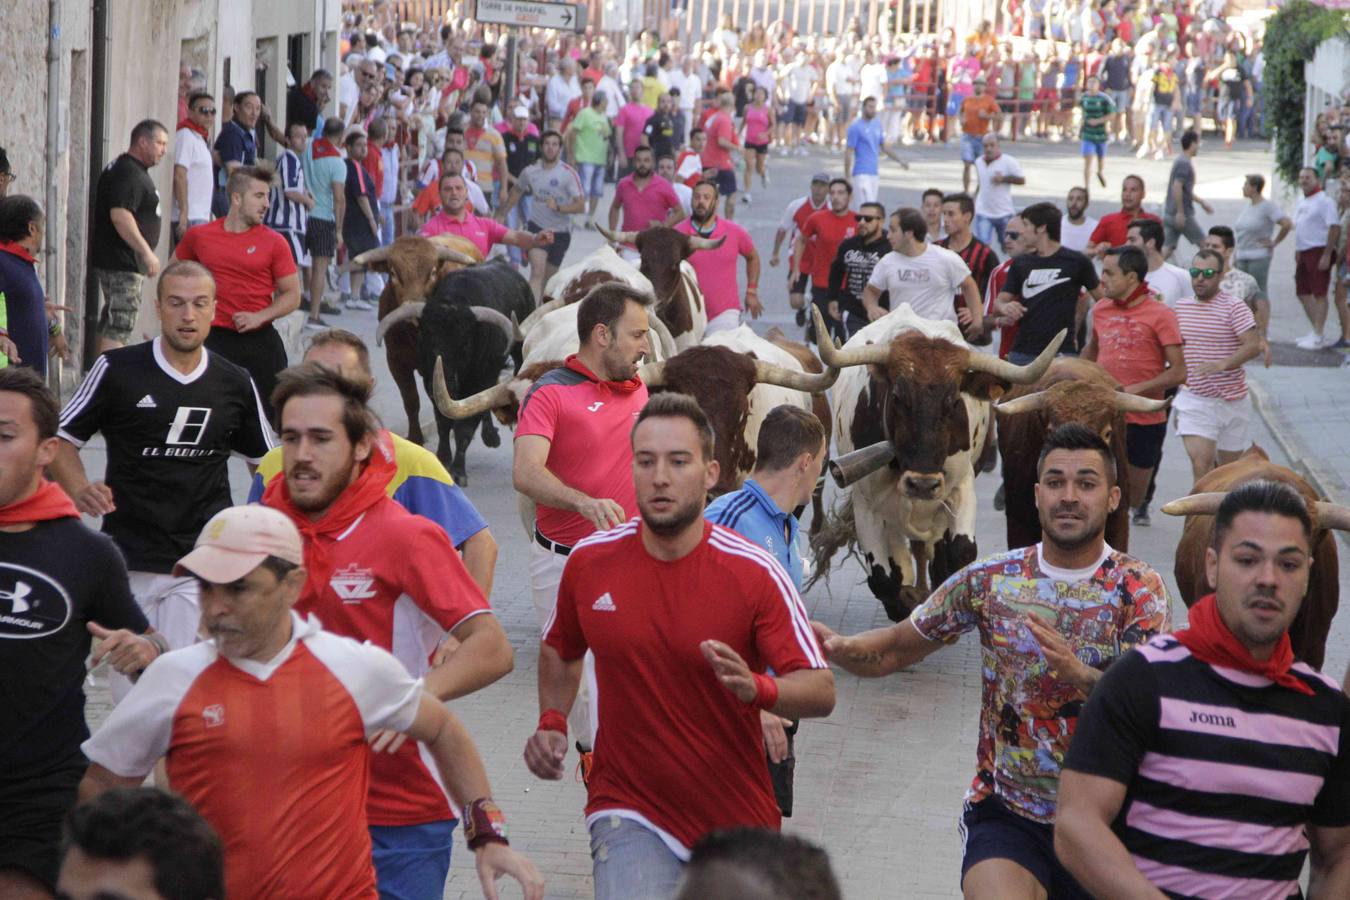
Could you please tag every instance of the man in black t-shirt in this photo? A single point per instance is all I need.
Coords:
(126, 230)
(660, 127)
(1047, 290)
(60, 585)
(171, 413)
(853, 263)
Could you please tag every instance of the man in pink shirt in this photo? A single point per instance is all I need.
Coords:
(455, 218)
(716, 269)
(645, 199)
(628, 124)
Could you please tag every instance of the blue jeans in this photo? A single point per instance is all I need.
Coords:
(515, 220)
(386, 224)
(412, 861)
(986, 228)
(631, 862)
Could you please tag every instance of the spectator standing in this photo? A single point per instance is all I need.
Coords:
(306, 102)
(1113, 228)
(236, 144)
(326, 181)
(557, 195)
(562, 87)
(1179, 209)
(289, 205)
(997, 172)
(821, 234)
(924, 275)
(659, 131)
(628, 126)
(690, 85)
(126, 230)
(715, 267)
(28, 332)
(852, 268)
(1098, 110)
(1170, 282)
(361, 227)
(1253, 230)
(1119, 86)
(1317, 238)
(1077, 227)
(193, 173)
(798, 85)
(484, 147)
(384, 142)
(979, 114)
(866, 141)
(587, 139)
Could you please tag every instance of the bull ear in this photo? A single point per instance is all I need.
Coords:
(983, 385)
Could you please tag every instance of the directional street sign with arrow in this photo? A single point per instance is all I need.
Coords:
(532, 14)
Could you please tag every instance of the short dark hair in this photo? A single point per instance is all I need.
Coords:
(242, 176)
(130, 823)
(1273, 497)
(378, 129)
(758, 864)
(694, 131)
(146, 129)
(965, 202)
(333, 127)
(296, 123)
(604, 305)
(1150, 231)
(42, 402)
(312, 380)
(1138, 178)
(550, 133)
(674, 405)
(353, 136)
(1130, 259)
(587, 79)
(17, 212)
(644, 148)
(183, 268)
(1212, 254)
(1078, 187)
(240, 97)
(872, 204)
(197, 95)
(907, 218)
(844, 181)
(1225, 234)
(1188, 139)
(318, 74)
(344, 338)
(4, 161)
(1043, 215)
(786, 433)
(1257, 181)
(1076, 436)
(931, 192)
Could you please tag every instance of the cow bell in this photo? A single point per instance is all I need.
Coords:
(853, 467)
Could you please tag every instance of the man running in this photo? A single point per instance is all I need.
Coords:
(1051, 618)
(866, 141)
(1076, 228)
(456, 218)
(557, 195)
(1098, 109)
(1226, 757)
(852, 268)
(1112, 228)
(256, 279)
(1170, 282)
(171, 412)
(1240, 284)
(716, 269)
(979, 115)
(673, 763)
(996, 172)
(958, 214)
(795, 215)
(822, 233)
(644, 199)
(923, 275)
(264, 727)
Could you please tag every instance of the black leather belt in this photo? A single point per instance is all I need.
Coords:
(560, 549)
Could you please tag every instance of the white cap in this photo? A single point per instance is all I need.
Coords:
(237, 540)
(522, 111)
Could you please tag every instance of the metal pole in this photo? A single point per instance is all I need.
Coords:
(509, 78)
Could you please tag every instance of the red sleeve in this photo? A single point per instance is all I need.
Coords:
(436, 580)
(783, 633)
(1167, 326)
(283, 264)
(187, 247)
(539, 415)
(562, 631)
(1098, 234)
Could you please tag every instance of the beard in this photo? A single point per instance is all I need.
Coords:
(1074, 534)
(181, 344)
(673, 521)
(318, 495)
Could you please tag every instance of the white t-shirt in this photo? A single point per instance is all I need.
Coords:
(691, 88)
(1075, 237)
(839, 77)
(873, 77)
(927, 282)
(1313, 218)
(799, 77)
(995, 200)
(686, 195)
(1171, 282)
(190, 152)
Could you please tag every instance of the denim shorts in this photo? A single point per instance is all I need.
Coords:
(592, 178)
(972, 147)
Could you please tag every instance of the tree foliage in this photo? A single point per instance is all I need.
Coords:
(1292, 37)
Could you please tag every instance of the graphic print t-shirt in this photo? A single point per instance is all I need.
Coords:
(1049, 286)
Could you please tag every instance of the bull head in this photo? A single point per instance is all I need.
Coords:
(377, 260)
(413, 312)
(653, 374)
(1325, 513)
(1043, 401)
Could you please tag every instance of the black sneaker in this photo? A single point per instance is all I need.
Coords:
(801, 317)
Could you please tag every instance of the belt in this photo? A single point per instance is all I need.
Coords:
(560, 549)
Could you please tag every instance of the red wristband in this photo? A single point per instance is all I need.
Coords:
(484, 824)
(552, 720)
(766, 691)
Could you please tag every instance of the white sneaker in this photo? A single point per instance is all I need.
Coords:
(358, 303)
(745, 197)
(1311, 341)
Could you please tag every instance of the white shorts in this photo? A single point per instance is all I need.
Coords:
(723, 321)
(546, 568)
(172, 605)
(1225, 422)
(866, 189)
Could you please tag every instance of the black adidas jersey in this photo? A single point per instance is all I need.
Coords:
(169, 437)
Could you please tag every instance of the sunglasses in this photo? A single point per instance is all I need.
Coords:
(1203, 273)
(869, 218)
(206, 110)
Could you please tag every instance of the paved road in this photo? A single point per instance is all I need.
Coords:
(879, 783)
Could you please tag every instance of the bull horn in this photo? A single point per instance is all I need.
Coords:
(493, 397)
(1133, 403)
(1012, 373)
(1195, 504)
(653, 374)
(401, 314)
(768, 373)
(542, 310)
(493, 317)
(839, 358)
(1024, 404)
(449, 254)
(617, 237)
(853, 467)
(365, 260)
(663, 335)
(1333, 515)
(702, 243)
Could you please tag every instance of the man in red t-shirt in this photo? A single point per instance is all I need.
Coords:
(1017, 239)
(721, 143)
(685, 619)
(571, 449)
(1112, 227)
(822, 233)
(256, 279)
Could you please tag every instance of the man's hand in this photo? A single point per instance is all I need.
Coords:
(773, 261)
(963, 316)
(249, 321)
(386, 741)
(543, 239)
(151, 262)
(95, 500)
(10, 349)
(1013, 310)
(494, 860)
(60, 347)
(1064, 665)
(730, 669)
(775, 737)
(1265, 242)
(1265, 352)
(603, 513)
(874, 313)
(544, 754)
(180, 228)
(753, 304)
(832, 644)
(126, 652)
(1206, 207)
(1324, 262)
(1214, 367)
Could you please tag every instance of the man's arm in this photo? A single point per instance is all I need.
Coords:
(1177, 194)
(1333, 243)
(180, 197)
(619, 151)
(1330, 861)
(871, 299)
(752, 302)
(1009, 306)
(1172, 376)
(92, 499)
(127, 230)
(479, 551)
(1249, 348)
(285, 301)
(98, 780)
(483, 656)
(614, 212)
(675, 216)
(1090, 349)
(530, 475)
(778, 237)
(974, 305)
(1085, 843)
(848, 162)
(876, 653)
(339, 208)
(559, 680)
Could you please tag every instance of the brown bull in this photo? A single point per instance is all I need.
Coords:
(414, 265)
(1072, 391)
(1308, 633)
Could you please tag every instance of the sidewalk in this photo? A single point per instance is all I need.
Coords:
(1305, 410)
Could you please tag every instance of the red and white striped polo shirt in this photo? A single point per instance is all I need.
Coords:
(1211, 330)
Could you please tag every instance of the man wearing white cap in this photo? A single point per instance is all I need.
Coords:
(264, 727)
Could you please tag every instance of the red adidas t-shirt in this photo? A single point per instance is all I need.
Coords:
(675, 750)
(246, 266)
(587, 424)
(398, 583)
(824, 232)
(1007, 334)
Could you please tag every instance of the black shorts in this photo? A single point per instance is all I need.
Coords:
(261, 353)
(820, 296)
(321, 238)
(758, 148)
(1144, 444)
(990, 830)
(32, 810)
(558, 249)
(799, 284)
(726, 182)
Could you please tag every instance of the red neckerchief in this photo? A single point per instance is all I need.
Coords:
(622, 387)
(1210, 641)
(193, 126)
(323, 149)
(1315, 192)
(46, 503)
(368, 489)
(1138, 292)
(308, 90)
(19, 250)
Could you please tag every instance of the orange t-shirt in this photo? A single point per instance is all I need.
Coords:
(971, 107)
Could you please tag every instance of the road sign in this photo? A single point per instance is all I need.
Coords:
(532, 14)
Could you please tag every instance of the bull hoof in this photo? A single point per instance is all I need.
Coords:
(459, 476)
(491, 437)
(415, 435)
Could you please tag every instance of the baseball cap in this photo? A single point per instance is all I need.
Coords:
(822, 177)
(521, 111)
(237, 540)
